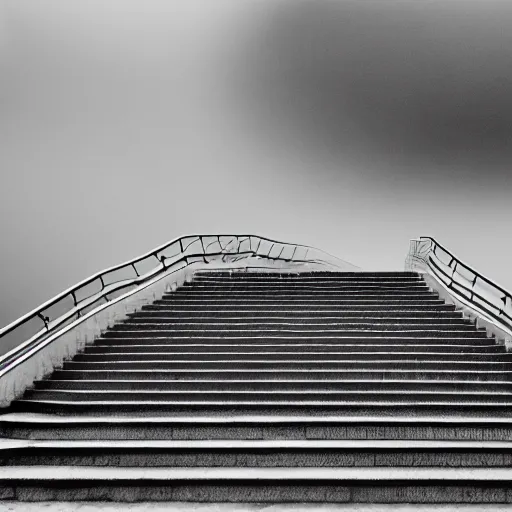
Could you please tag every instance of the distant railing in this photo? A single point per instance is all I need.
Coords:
(69, 306)
(476, 290)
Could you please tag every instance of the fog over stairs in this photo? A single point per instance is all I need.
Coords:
(257, 386)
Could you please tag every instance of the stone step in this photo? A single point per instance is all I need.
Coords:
(291, 324)
(363, 331)
(306, 357)
(233, 307)
(256, 427)
(270, 396)
(86, 373)
(253, 277)
(250, 274)
(212, 408)
(264, 320)
(277, 385)
(354, 301)
(292, 283)
(345, 293)
(312, 341)
(306, 287)
(208, 315)
(176, 348)
(304, 280)
(327, 363)
(308, 292)
(261, 485)
(257, 453)
(283, 281)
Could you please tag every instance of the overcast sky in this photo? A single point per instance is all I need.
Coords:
(351, 126)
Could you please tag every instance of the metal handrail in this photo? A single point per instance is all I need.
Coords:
(464, 281)
(181, 251)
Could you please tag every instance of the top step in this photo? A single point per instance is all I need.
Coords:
(248, 273)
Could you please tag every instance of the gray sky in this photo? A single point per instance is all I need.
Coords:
(351, 126)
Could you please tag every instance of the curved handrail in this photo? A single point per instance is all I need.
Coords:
(77, 300)
(464, 281)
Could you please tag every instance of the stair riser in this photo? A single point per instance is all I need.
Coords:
(199, 336)
(293, 365)
(273, 386)
(304, 280)
(252, 273)
(178, 409)
(266, 396)
(230, 309)
(215, 375)
(198, 431)
(292, 356)
(262, 492)
(348, 329)
(265, 321)
(308, 293)
(312, 341)
(318, 281)
(175, 301)
(260, 287)
(289, 348)
(313, 293)
(317, 276)
(287, 313)
(283, 458)
(301, 277)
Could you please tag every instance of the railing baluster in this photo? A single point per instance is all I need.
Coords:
(45, 319)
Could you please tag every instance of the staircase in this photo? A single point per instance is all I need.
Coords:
(273, 387)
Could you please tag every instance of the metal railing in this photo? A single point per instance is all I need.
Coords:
(476, 290)
(103, 287)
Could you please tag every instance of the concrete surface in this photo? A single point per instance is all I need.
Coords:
(50, 506)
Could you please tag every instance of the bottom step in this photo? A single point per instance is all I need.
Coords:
(340, 485)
